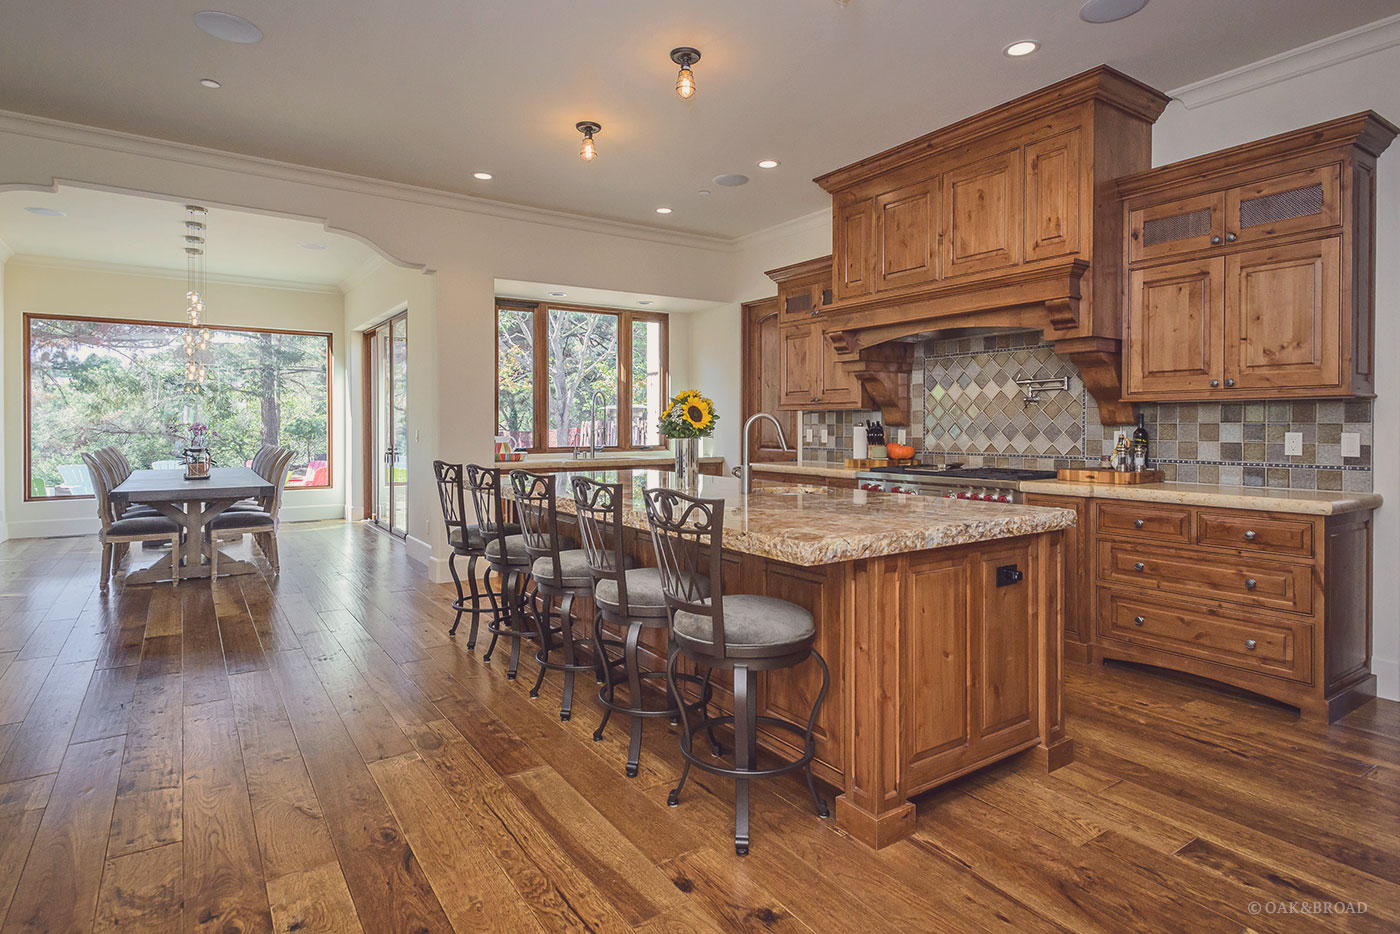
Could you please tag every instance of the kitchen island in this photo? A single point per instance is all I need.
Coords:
(941, 621)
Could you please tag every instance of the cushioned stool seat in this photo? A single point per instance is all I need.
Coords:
(473, 539)
(754, 627)
(644, 594)
(573, 569)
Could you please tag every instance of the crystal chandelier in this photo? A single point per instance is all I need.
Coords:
(197, 333)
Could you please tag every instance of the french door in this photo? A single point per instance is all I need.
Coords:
(387, 358)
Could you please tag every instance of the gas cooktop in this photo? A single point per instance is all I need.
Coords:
(956, 472)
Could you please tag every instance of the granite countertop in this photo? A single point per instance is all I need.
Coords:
(609, 459)
(816, 525)
(1308, 502)
(807, 469)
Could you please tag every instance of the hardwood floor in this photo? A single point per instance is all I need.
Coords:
(313, 753)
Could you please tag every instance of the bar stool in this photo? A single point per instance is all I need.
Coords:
(505, 554)
(466, 540)
(629, 598)
(558, 572)
(745, 633)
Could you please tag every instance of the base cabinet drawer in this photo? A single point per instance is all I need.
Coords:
(1267, 645)
(1157, 523)
(1248, 581)
(1280, 535)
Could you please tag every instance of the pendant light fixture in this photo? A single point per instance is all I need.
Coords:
(589, 150)
(197, 333)
(685, 56)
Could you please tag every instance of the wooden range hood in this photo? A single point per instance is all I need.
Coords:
(1009, 218)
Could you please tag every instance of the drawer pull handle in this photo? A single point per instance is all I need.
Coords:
(1231, 238)
(1214, 383)
(1137, 523)
(1139, 566)
(1138, 621)
(1229, 381)
(1251, 583)
(1250, 644)
(1249, 536)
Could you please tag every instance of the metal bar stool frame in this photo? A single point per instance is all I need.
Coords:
(452, 495)
(687, 533)
(485, 486)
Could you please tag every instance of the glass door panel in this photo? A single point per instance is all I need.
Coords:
(398, 418)
(386, 352)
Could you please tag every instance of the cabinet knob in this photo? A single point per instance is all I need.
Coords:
(1138, 621)
(812, 313)
(1231, 238)
(1139, 566)
(1137, 523)
(1214, 383)
(1251, 583)
(1215, 241)
(1249, 536)
(1229, 382)
(1250, 644)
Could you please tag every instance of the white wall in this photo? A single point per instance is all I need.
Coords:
(4, 356)
(32, 287)
(1369, 82)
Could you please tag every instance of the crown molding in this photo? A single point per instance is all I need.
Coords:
(1343, 47)
(156, 272)
(367, 269)
(29, 125)
(807, 223)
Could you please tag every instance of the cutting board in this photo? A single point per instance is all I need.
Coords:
(1098, 475)
(866, 463)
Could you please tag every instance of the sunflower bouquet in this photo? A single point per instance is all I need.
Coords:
(689, 415)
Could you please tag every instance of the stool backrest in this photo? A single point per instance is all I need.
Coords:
(599, 510)
(453, 498)
(484, 485)
(688, 535)
(538, 514)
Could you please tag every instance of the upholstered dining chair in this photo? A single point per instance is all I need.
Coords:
(263, 463)
(262, 525)
(116, 531)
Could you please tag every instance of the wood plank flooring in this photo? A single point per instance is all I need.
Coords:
(312, 752)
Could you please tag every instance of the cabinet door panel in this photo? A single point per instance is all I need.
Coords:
(906, 236)
(790, 693)
(838, 387)
(1052, 196)
(1284, 205)
(854, 248)
(799, 366)
(1175, 326)
(1283, 316)
(982, 215)
(1176, 227)
(1006, 659)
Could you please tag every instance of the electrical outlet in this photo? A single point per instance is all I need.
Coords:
(1351, 444)
(825, 436)
(1293, 443)
(903, 434)
(810, 436)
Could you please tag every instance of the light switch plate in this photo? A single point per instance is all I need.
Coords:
(825, 437)
(810, 436)
(1293, 443)
(1351, 444)
(903, 434)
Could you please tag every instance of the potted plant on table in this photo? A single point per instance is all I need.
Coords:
(688, 417)
(198, 460)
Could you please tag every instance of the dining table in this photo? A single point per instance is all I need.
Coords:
(192, 503)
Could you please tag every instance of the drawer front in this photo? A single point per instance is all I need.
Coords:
(1261, 644)
(1248, 581)
(1157, 523)
(1278, 535)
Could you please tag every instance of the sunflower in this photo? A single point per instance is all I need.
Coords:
(697, 412)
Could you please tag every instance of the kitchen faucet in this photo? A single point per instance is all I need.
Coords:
(592, 452)
(745, 471)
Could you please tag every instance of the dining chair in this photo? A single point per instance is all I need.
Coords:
(744, 633)
(230, 525)
(264, 465)
(117, 531)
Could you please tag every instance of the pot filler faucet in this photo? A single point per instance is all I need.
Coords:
(745, 471)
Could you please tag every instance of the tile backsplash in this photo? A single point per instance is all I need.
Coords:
(967, 407)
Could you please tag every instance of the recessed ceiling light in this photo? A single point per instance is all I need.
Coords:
(703, 192)
(769, 164)
(484, 176)
(646, 301)
(557, 294)
(312, 245)
(663, 210)
(46, 212)
(731, 181)
(228, 27)
(1023, 47)
(210, 83)
(1108, 11)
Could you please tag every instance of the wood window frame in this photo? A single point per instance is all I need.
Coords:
(27, 376)
(540, 409)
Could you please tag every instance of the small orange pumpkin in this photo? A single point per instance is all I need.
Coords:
(900, 452)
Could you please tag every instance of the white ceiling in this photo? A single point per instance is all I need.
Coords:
(429, 92)
(113, 228)
(605, 298)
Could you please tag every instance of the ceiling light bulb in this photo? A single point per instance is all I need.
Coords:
(1023, 47)
(484, 176)
(588, 150)
(663, 210)
(685, 56)
(768, 164)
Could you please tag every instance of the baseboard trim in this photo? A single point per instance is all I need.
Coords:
(311, 513)
(1387, 672)
(62, 528)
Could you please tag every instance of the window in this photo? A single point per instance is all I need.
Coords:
(574, 371)
(94, 382)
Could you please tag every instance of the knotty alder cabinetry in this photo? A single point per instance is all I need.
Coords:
(1251, 270)
(1275, 603)
(809, 376)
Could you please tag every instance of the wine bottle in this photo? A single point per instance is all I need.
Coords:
(1140, 444)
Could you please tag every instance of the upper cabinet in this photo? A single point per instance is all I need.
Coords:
(983, 224)
(1251, 270)
(810, 375)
